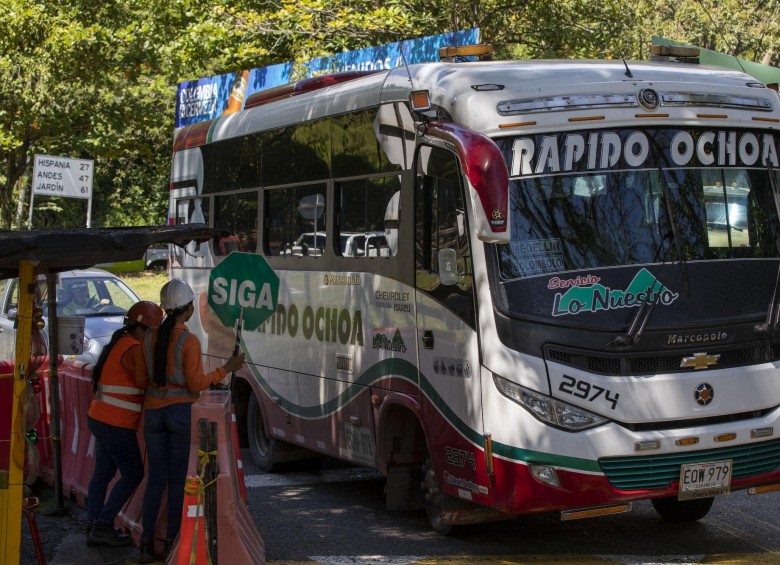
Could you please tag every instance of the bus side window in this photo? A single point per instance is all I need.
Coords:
(191, 211)
(237, 215)
(294, 221)
(368, 217)
(442, 254)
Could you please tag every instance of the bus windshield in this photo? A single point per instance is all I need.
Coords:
(607, 218)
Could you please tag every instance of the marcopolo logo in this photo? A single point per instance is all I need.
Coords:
(597, 297)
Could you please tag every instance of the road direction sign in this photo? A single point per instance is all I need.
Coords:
(62, 176)
(243, 280)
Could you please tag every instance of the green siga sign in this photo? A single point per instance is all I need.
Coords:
(243, 280)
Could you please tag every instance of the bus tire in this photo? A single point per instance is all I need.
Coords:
(673, 510)
(433, 499)
(261, 444)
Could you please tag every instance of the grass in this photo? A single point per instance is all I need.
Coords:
(146, 284)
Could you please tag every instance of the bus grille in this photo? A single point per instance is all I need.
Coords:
(658, 471)
(621, 365)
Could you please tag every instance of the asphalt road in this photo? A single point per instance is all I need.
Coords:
(336, 516)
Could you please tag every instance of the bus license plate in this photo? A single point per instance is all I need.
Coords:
(704, 480)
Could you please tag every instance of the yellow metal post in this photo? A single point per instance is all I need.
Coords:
(12, 497)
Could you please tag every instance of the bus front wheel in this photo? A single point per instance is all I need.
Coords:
(261, 444)
(673, 510)
(433, 501)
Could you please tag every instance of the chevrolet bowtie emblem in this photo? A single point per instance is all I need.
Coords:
(699, 361)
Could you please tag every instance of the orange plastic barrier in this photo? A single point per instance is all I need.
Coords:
(78, 448)
(192, 547)
(238, 540)
(77, 444)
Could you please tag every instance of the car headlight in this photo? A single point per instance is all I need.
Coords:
(549, 410)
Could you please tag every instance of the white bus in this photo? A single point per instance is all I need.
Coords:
(573, 303)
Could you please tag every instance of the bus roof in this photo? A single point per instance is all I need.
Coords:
(471, 92)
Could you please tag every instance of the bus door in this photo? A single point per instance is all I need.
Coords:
(448, 358)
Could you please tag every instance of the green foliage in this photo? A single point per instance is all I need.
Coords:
(146, 284)
(744, 29)
(97, 80)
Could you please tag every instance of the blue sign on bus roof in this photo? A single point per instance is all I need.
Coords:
(206, 98)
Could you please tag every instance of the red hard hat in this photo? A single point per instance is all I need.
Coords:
(146, 313)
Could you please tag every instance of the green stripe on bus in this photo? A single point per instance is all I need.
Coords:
(404, 369)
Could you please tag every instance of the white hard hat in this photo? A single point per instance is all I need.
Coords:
(175, 294)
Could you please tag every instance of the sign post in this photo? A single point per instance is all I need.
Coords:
(12, 487)
(243, 282)
(62, 176)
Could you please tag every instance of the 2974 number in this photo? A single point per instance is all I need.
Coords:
(590, 392)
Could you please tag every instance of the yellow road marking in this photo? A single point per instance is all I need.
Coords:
(771, 558)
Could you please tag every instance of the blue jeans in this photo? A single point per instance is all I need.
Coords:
(167, 437)
(115, 448)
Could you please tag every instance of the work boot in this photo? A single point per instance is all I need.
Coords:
(147, 554)
(105, 534)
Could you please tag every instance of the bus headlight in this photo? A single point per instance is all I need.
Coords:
(549, 410)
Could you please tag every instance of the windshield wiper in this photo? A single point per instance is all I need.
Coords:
(773, 313)
(639, 322)
(637, 327)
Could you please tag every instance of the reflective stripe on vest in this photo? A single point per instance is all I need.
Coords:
(178, 377)
(120, 389)
(118, 403)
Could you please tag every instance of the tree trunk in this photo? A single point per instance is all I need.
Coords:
(16, 163)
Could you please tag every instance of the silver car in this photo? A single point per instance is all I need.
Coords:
(98, 296)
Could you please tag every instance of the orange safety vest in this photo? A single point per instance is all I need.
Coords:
(175, 384)
(118, 401)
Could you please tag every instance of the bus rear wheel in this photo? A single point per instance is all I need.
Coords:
(673, 510)
(261, 444)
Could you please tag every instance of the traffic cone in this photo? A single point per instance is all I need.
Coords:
(239, 464)
(192, 538)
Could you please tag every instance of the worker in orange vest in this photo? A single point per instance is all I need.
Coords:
(114, 417)
(176, 377)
